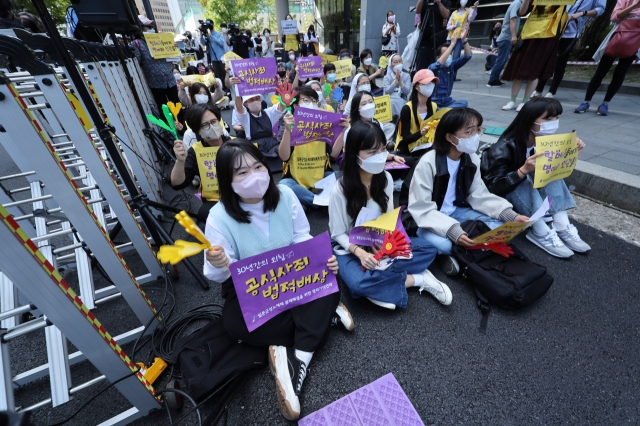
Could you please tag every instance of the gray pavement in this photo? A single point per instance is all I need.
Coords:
(612, 141)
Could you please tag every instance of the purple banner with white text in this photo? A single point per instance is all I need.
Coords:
(278, 280)
(257, 75)
(310, 67)
(312, 125)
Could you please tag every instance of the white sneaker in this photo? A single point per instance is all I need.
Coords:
(437, 289)
(535, 94)
(508, 107)
(519, 107)
(289, 374)
(382, 304)
(572, 240)
(550, 243)
(549, 95)
(342, 318)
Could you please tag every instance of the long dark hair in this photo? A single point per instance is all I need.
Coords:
(311, 30)
(362, 136)
(520, 127)
(227, 159)
(194, 115)
(354, 113)
(451, 122)
(195, 90)
(414, 103)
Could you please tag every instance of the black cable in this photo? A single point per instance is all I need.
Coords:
(196, 407)
(137, 155)
(94, 397)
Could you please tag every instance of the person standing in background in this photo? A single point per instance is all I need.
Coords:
(506, 40)
(458, 23)
(390, 29)
(434, 25)
(579, 13)
(311, 41)
(252, 44)
(214, 42)
(267, 45)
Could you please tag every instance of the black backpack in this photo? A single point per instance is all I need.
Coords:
(509, 283)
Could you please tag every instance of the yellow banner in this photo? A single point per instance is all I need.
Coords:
(328, 58)
(291, 43)
(206, 157)
(230, 56)
(559, 159)
(207, 79)
(343, 68)
(161, 45)
(383, 109)
(383, 62)
(502, 234)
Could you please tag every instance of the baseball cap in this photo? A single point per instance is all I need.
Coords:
(424, 77)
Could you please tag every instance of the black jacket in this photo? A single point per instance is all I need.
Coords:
(500, 163)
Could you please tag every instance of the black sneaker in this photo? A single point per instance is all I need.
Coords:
(449, 265)
(289, 373)
(342, 318)
(497, 83)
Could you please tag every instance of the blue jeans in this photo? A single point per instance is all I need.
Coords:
(461, 214)
(526, 199)
(504, 48)
(453, 104)
(304, 195)
(457, 50)
(388, 285)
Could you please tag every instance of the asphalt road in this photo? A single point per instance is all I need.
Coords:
(571, 358)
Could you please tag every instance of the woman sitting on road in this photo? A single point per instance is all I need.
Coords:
(364, 183)
(508, 169)
(447, 189)
(254, 216)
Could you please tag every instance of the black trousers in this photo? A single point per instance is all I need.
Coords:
(305, 327)
(218, 70)
(162, 96)
(560, 67)
(616, 81)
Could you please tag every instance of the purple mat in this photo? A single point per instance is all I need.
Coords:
(381, 403)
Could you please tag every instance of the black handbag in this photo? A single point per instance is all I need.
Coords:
(386, 39)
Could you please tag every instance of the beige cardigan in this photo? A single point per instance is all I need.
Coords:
(425, 211)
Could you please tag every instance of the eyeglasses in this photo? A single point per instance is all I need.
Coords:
(474, 131)
(307, 100)
(207, 124)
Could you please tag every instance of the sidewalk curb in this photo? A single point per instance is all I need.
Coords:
(608, 185)
(582, 85)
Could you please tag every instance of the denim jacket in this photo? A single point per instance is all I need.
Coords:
(442, 92)
(215, 45)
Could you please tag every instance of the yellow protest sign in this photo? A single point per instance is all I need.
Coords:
(206, 158)
(383, 62)
(162, 46)
(502, 234)
(230, 56)
(383, 109)
(328, 58)
(343, 68)
(559, 159)
(190, 79)
(291, 43)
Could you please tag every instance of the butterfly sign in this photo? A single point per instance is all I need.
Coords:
(181, 249)
(169, 117)
(175, 109)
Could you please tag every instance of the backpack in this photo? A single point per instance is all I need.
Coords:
(509, 283)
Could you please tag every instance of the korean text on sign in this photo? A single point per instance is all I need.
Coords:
(278, 280)
(312, 125)
(559, 159)
(256, 75)
(161, 46)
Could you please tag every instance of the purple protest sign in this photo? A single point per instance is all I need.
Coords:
(313, 125)
(310, 66)
(395, 165)
(369, 235)
(257, 75)
(278, 280)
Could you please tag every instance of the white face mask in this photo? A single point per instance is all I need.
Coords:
(292, 57)
(397, 68)
(368, 110)
(375, 164)
(392, 19)
(320, 95)
(254, 106)
(267, 34)
(427, 89)
(201, 99)
(364, 88)
(367, 62)
(463, 3)
(547, 128)
(468, 145)
(309, 105)
(224, 31)
(213, 132)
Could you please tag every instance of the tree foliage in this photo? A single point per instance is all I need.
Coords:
(242, 12)
(57, 8)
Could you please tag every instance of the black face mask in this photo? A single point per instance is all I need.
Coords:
(282, 73)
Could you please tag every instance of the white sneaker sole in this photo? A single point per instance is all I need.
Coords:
(345, 317)
(382, 304)
(534, 241)
(504, 108)
(448, 296)
(289, 406)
